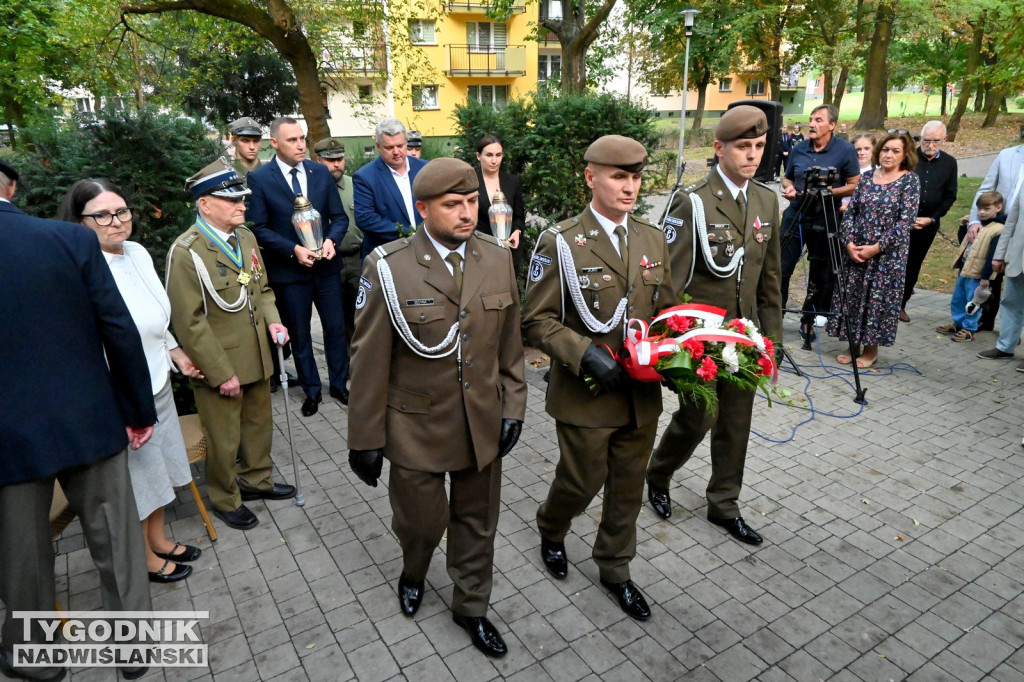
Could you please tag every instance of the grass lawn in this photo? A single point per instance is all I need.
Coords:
(937, 273)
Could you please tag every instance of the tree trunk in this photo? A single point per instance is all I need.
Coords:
(840, 89)
(942, 105)
(828, 96)
(574, 68)
(575, 35)
(966, 85)
(995, 101)
(702, 97)
(872, 115)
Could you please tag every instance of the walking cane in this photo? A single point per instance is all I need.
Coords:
(299, 500)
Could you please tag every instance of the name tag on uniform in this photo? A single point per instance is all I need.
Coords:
(590, 270)
(366, 284)
(418, 301)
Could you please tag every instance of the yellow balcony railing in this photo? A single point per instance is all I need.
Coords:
(466, 7)
(494, 62)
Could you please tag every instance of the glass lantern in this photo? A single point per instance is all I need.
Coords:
(308, 225)
(500, 215)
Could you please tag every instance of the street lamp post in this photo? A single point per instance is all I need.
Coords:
(688, 15)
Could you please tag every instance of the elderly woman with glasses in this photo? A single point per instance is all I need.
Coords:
(162, 463)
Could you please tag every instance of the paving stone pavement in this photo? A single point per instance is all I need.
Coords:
(892, 549)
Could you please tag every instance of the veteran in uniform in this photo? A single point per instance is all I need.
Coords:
(331, 153)
(729, 259)
(588, 276)
(223, 313)
(247, 139)
(438, 388)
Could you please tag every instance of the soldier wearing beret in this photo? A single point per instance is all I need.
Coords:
(331, 153)
(224, 315)
(438, 388)
(728, 258)
(588, 276)
(415, 144)
(247, 139)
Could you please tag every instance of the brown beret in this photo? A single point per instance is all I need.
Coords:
(741, 122)
(616, 150)
(330, 148)
(443, 176)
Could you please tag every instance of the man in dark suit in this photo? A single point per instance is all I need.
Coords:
(785, 147)
(740, 272)
(65, 417)
(382, 189)
(425, 391)
(302, 277)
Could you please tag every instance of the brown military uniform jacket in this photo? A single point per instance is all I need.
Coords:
(222, 344)
(351, 246)
(552, 323)
(438, 414)
(759, 296)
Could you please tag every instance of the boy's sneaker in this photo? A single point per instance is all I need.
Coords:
(1020, 368)
(964, 335)
(994, 354)
(947, 329)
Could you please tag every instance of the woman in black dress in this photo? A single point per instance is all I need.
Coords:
(489, 155)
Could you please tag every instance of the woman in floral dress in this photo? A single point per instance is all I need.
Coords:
(876, 235)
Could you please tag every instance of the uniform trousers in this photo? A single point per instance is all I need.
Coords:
(615, 458)
(729, 438)
(236, 427)
(422, 513)
(297, 298)
(100, 494)
(1011, 313)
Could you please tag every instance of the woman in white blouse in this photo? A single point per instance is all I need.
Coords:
(162, 463)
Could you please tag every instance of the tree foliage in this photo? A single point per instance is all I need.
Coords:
(147, 153)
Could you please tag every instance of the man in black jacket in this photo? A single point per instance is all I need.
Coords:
(937, 170)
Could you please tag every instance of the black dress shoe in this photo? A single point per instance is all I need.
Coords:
(7, 668)
(180, 572)
(410, 594)
(275, 381)
(483, 633)
(280, 491)
(660, 500)
(341, 396)
(631, 600)
(739, 530)
(133, 673)
(311, 404)
(240, 518)
(190, 553)
(553, 555)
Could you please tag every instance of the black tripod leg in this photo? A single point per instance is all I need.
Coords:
(785, 354)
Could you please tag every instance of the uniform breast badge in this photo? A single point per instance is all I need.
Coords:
(244, 278)
(580, 240)
(257, 268)
(729, 248)
(594, 233)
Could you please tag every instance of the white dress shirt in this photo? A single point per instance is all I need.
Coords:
(286, 170)
(443, 252)
(609, 225)
(404, 184)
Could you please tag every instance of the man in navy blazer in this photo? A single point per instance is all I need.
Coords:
(300, 277)
(65, 416)
(382, 189)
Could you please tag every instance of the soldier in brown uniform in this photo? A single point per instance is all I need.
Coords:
(247, 139)
(438, 388)
(730, 259)
(222, 309)
(588, 276)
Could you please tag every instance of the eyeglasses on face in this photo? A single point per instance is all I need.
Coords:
(925, 140)
(898, 131)
(106, 218)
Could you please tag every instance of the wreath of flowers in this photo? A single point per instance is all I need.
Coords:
(689, 346)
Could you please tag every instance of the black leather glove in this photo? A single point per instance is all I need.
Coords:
(599, 364)
(366, 464)
(510, 430)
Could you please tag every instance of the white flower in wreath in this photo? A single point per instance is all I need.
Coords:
(753, 333)
(731, 358)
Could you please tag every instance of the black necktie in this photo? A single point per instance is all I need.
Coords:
(296, 187)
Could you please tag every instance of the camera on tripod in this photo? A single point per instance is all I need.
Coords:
(820, 177)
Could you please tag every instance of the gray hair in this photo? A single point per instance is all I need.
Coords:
(934, 124)
(389, 126)
(275, 127)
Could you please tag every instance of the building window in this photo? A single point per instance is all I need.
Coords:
(424, 97)
(483, 36)
(495, 95)
(365, 93)
(369, 152)
(725, 85)
(549, 66)
(551, 9)
(421, 32)
(84, 105)
(755, 86)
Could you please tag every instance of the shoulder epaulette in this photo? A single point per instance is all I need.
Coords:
(489, 239)
(187, 238)
(385, 250)
(761, 184)
(566, 224)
